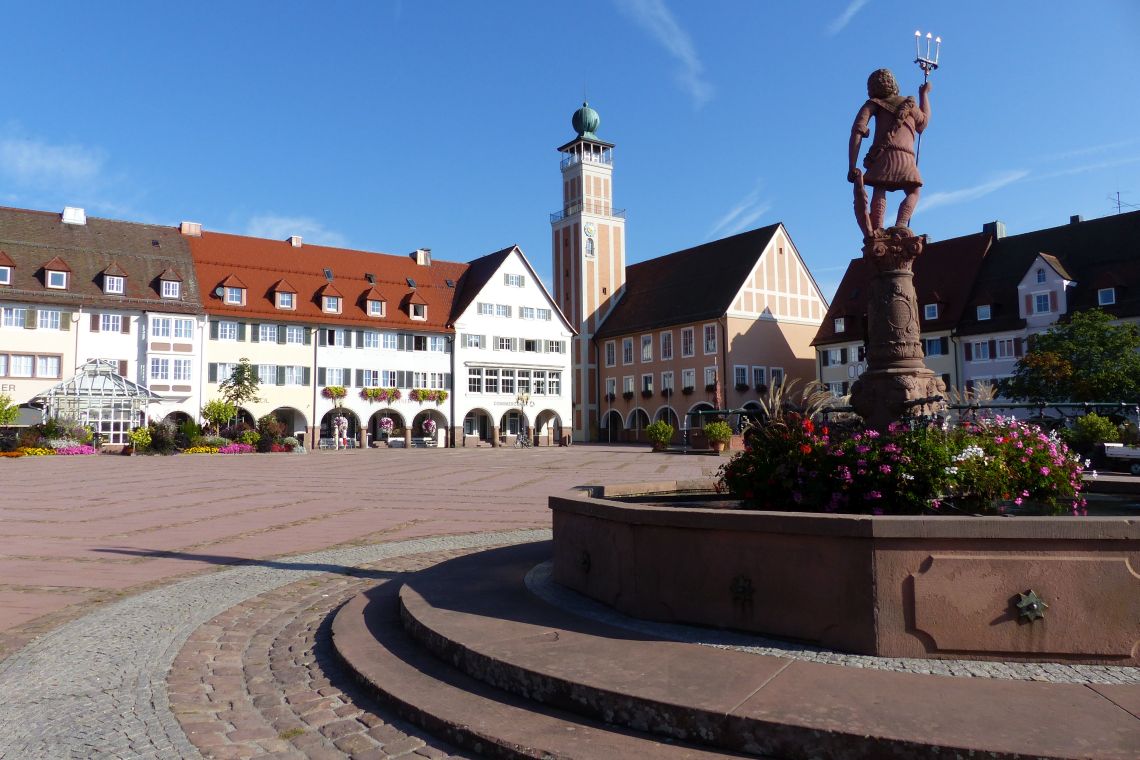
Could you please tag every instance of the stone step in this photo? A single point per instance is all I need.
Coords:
(369, 637)
(476, 614)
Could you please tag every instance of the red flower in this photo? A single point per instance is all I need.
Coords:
(809, 426)
(805, 449)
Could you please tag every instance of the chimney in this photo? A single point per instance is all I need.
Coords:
(1075, 219)
(191, 229)
(422, 257)
(294, 240)
(74, 215)
(997, 229)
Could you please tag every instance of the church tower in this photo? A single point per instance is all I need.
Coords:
(588, 248)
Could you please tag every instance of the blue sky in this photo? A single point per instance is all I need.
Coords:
(393, 125)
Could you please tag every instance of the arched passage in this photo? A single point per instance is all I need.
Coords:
(667, 415)
(294, 420)
(612, 426)
(379, 430)
(547, 428)
(329, 433)
(429, 428)
(477, 427)
(636, 423)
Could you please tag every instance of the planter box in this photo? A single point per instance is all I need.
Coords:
(925, 587)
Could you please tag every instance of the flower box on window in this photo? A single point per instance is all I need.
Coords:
(334, 392)
(761, 388)
(687, 390)
(666, 392)
(742, 387)
(647, 394)
(611, 396)
(627, 395)
(710, 388)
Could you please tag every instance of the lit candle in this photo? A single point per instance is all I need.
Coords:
(917, 37)
(937, 48)
(928, 36)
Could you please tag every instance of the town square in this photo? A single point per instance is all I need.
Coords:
(388, 380)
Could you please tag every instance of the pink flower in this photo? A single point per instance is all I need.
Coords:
(1044, 470)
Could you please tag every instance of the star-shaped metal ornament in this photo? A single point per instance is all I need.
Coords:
(1031, 607)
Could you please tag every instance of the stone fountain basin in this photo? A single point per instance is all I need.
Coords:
(905, 586)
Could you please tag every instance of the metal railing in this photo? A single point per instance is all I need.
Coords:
(588, 207)
(605, 157)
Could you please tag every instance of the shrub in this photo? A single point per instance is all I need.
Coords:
(249, 437)
(234, 432)
(209, 441)
(718, 432)
(187, 432)
(163, 437)
(270, 429)
(218, 412)
(290, 441)
(236, 448)
(140, 438)
(1089, 431)
(29, 438)
(660, 433)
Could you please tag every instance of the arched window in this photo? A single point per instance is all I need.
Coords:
(589, 248)
(1040, 275)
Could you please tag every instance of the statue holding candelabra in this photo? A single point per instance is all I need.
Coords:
(897, 382)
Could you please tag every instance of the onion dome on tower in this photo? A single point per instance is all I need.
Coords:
(585, 122)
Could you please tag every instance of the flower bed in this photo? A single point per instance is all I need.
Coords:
(236, 448)
(78, 450)
(983, 467)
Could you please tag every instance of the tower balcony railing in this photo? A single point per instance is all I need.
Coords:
(603, 157)
(587, 207)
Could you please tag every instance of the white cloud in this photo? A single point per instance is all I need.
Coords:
(37, 163)
(741, 216)
(1090, 149)
(277, 227)
(934, 200)
(843, 19)
(655, 18)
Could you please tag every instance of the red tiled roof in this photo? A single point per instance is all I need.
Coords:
(57, 265)
(28, 238)
(264, 264)
(114, 270)
(282, 286)
(5, 260)
(170, 274)
(233, 281)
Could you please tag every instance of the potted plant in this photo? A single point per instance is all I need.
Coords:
(718, 434)
(660, 434)
(710, 388)
(334, 392)
(611, 396)
(627, 395)
(687, 390)
(742, 387)
(647, 393)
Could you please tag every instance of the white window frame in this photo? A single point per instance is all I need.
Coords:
(611, 353)
(627, 384)
(666, 345)
(1005, 348)
(418, 311)
(980, 351)
(286, 301)
(42, 360)
(626, 351)
(330, 304)
(840, 324)
(544, 314)
(740, 374)
(984, 312)
(834, 357)
(227, 330)
(184, 329)
(667, 380)
(485, 309)
(161, 327)
(267, 333)
(171, 289)
(688, 335)
(475, 380)
(777, 376)
(474, 341)
(706, 342)
(710, 376)
(611, 386)
(932, 347)
(110, 323)
(526, 312)
(759, 375)
(1037, 303)
(48, 319)
(689, 378)
(514, 280)
(181, 370)
(160, 368)
(14, 316)
(56, 279)
(647, 382)
(17, 362)
(1106, 296)
(234, 296)
(114, 284)
(1041, 279)
(646, 348)
(294, 334)
(5, 275)
(930, 311)
(377, 308)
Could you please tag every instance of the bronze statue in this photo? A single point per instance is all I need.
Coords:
(891, 162)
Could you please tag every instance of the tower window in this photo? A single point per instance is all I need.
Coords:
(590, 248)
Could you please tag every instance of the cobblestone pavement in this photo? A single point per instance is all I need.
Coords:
(262, 679)
(539, 582)
(96, 688)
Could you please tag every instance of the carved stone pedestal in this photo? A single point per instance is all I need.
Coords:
(897, 383)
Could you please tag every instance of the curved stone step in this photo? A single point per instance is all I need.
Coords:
(370, 639)
(475, 613)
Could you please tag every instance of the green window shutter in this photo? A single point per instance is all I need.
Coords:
(65, 320)
(359, 378)
(241, 330)
(308, 337)
(213, 372)
(95, 323)
(321, 376)
(255, 333)
(346, 373)
(126, 324)
(360, 339)
(307, 375)
(281, 331)
(280, 375)
(30, 317)
(322, 337)
(213, 330)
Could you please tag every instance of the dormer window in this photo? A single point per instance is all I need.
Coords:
(983, 312)
(113, 284)
(56, 279)
(171, 289)
(418, 310)
(1106, 296)
(330, 304)
(285, 300)
(5, 275)
(840, 324)
(1040, 276)
(375, 308)
(234, 296)
(930, 311)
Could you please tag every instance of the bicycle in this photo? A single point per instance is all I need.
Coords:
(522, 441)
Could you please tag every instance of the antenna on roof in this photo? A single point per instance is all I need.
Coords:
(1115, 201)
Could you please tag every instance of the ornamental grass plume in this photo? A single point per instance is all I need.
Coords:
(977, 467)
